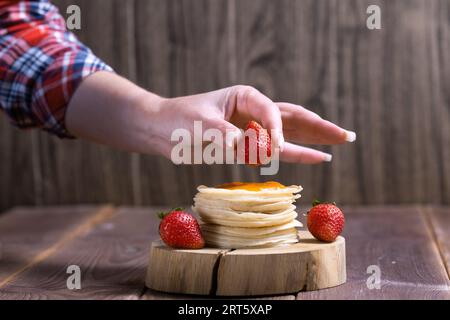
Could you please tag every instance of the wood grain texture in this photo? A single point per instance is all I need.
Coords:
(399, 241)
(389, 85)
(182, 271)
(29, 236)
(112, 258)
(113, 254)
(439, 219)
(307, 265)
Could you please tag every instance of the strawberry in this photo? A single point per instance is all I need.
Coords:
(325, 221)
(179, 229)
(262, 143)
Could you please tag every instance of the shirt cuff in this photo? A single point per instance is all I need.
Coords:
(58, 83)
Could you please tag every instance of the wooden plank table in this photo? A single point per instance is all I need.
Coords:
(409, 245)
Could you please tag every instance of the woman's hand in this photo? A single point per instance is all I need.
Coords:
(111, 110)
(231, 108)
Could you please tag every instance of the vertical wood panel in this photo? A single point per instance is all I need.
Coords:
(187, 52)
(441, 96)
(389, 85)
(75, 171)
(16, 169)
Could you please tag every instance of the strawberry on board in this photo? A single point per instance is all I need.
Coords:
(180, 229)
(263, 144)
(325, 221)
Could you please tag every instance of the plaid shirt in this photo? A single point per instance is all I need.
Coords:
(41, 65)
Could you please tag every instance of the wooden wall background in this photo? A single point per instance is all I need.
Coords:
(391, 86)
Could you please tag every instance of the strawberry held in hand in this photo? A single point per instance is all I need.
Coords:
(325, 221)
(263, 142)
(180, 229)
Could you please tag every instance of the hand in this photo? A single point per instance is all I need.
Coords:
(231, 108)
(111, 110)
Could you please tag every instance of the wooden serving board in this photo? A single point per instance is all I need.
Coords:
(304, 266)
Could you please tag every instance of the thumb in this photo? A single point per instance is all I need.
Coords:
(259, 107)
(230, 133)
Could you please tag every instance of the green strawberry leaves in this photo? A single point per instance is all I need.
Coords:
(162, 214)
(317, 202)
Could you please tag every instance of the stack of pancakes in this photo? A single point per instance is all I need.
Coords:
(243, 215)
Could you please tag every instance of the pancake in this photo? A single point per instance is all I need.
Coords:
(240, 192)
(244, 206)
(248, 198)
(225, 241)
(250, 232)
(244, 219)
(245, 215)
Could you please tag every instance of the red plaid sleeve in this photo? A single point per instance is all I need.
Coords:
(41, 65)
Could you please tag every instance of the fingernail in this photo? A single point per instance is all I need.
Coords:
(350, 136)
(327, 157)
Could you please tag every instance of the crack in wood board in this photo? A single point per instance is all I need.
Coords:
(215, 281)
(157, 294)
(215, 271)
(221, 272)
(98, 216)
(427, 214)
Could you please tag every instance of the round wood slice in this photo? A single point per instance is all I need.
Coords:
(307, 265)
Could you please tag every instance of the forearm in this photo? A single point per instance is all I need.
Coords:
(111, 110)
(70, 92)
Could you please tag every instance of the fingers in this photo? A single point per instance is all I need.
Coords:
(298, 154)
(304, 126)
(290, 153)
(256, 106)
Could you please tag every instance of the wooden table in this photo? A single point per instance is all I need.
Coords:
(410, 245)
